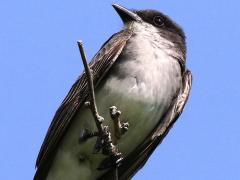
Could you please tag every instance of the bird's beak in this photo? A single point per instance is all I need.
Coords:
(125, 14)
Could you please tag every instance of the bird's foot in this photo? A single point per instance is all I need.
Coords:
(109, 149)
(119, 127)
(103, 144)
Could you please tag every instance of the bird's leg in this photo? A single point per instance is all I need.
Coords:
(104, 140)
(108, 148)
(119, 127)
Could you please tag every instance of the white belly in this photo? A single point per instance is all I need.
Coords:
(142, 88)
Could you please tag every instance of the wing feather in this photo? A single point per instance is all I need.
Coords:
(100, 65)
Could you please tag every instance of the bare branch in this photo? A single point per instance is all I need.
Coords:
(98, 119)
(104, 141)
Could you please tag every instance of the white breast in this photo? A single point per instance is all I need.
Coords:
(142, 84)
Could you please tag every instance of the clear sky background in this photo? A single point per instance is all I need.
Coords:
(39, 61)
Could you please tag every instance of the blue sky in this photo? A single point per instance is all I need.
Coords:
(39, 61)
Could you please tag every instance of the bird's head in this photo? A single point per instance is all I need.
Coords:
(155, 22)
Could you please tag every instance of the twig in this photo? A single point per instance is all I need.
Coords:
(104, 141)
(98, 119)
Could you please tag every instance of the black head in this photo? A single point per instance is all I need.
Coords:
(165, 26)
(161, 21)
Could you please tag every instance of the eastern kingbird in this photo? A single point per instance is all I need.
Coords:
(142, 71)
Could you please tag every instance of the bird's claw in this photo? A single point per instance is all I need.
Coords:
(114, 112)
(124, 127)
(119, 127)
(104, 142)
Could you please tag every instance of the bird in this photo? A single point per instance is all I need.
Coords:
(141, 71)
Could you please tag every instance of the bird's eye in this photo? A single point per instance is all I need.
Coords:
(158, 21)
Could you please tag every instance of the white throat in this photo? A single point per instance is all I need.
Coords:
(152, 34)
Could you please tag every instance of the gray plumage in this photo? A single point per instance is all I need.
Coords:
(141, 70)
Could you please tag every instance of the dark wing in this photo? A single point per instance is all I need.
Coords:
(100, 65)
(136, 160)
